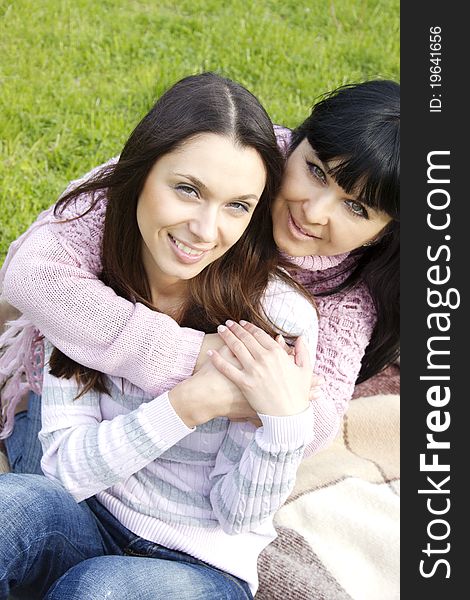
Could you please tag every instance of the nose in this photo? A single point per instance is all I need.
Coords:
(318, 209)
(205, 224)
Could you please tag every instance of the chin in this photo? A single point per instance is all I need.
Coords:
(294, 249)
(297, 252)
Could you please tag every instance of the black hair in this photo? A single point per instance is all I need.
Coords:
(358, 127)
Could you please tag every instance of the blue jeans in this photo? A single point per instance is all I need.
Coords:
(53, 548)
(23, 448)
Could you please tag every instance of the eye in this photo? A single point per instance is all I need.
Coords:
(187, 190)
(357, 209)
(316, 171)
(239, 207)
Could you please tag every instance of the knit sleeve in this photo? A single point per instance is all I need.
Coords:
(291, 313)
(255, 469)
(53, 280)
(255, 472)
(294, 315)
(346, 325)
(88, 454)
(283, 138)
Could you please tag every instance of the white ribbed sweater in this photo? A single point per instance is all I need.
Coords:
(211, 491)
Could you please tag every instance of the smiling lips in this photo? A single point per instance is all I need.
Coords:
(298, 231)
(186, 253)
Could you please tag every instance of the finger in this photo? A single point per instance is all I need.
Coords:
(317, 381)
(250, 342)
(289, 349)
(227, 369)
(282, 343)
(260, 336)
(226, 353)
(236, 346)
(314, 395)
(302, 354)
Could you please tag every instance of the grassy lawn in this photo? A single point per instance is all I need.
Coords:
(77, 75)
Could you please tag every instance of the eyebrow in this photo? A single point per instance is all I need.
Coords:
(197, 182)
(326, 167)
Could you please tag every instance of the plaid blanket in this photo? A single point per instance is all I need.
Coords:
(339, 529)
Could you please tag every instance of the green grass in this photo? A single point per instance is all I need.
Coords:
(77, 75)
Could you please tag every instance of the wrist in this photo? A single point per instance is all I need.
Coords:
(188, 405)
(211, 341)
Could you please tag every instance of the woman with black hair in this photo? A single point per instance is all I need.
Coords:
(337, 218)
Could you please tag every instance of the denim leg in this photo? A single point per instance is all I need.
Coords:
(129, 578)
(44, 533)
(23, 447)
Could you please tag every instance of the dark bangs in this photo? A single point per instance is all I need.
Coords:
(359, 127)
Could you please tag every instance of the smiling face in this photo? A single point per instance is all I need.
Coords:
(196, 203)
(312, 215)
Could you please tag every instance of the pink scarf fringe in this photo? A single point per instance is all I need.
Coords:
(21, 363)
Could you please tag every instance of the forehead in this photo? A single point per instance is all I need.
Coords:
(305, 151)
(219, 162)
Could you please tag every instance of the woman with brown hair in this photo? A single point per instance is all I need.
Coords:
(162, 496)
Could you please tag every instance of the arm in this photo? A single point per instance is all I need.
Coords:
(255, 469)
(90, 443)
(53, 280)
(87, 453)
(295, 316)
(346, 326)
(255, 472)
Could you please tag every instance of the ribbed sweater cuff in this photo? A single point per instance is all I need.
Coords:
(189, 348)
(289, 433)
(163, 421)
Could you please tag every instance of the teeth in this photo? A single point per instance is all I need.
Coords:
(302, 230)
(186, 249)
(305, 232)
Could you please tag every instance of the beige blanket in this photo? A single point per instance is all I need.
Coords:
(339, 530)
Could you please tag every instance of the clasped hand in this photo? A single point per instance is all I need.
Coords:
(273, 381)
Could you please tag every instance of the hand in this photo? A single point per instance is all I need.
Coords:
(274, 382)
(316, 386)
(211, 341)
(317, 380)
(209, 394)
(253, 418)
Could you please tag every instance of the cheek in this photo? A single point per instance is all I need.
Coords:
(145, 209)
(233, 232)
(288, 185)
(359, 235)
(157, 212)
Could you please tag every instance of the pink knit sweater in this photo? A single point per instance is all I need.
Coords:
(51, 276)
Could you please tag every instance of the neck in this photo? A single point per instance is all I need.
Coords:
(168, 293)
(169, 297)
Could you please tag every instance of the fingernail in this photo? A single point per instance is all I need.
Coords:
(209, 353)
(229, 323)
(243, 323)
(221, 328)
